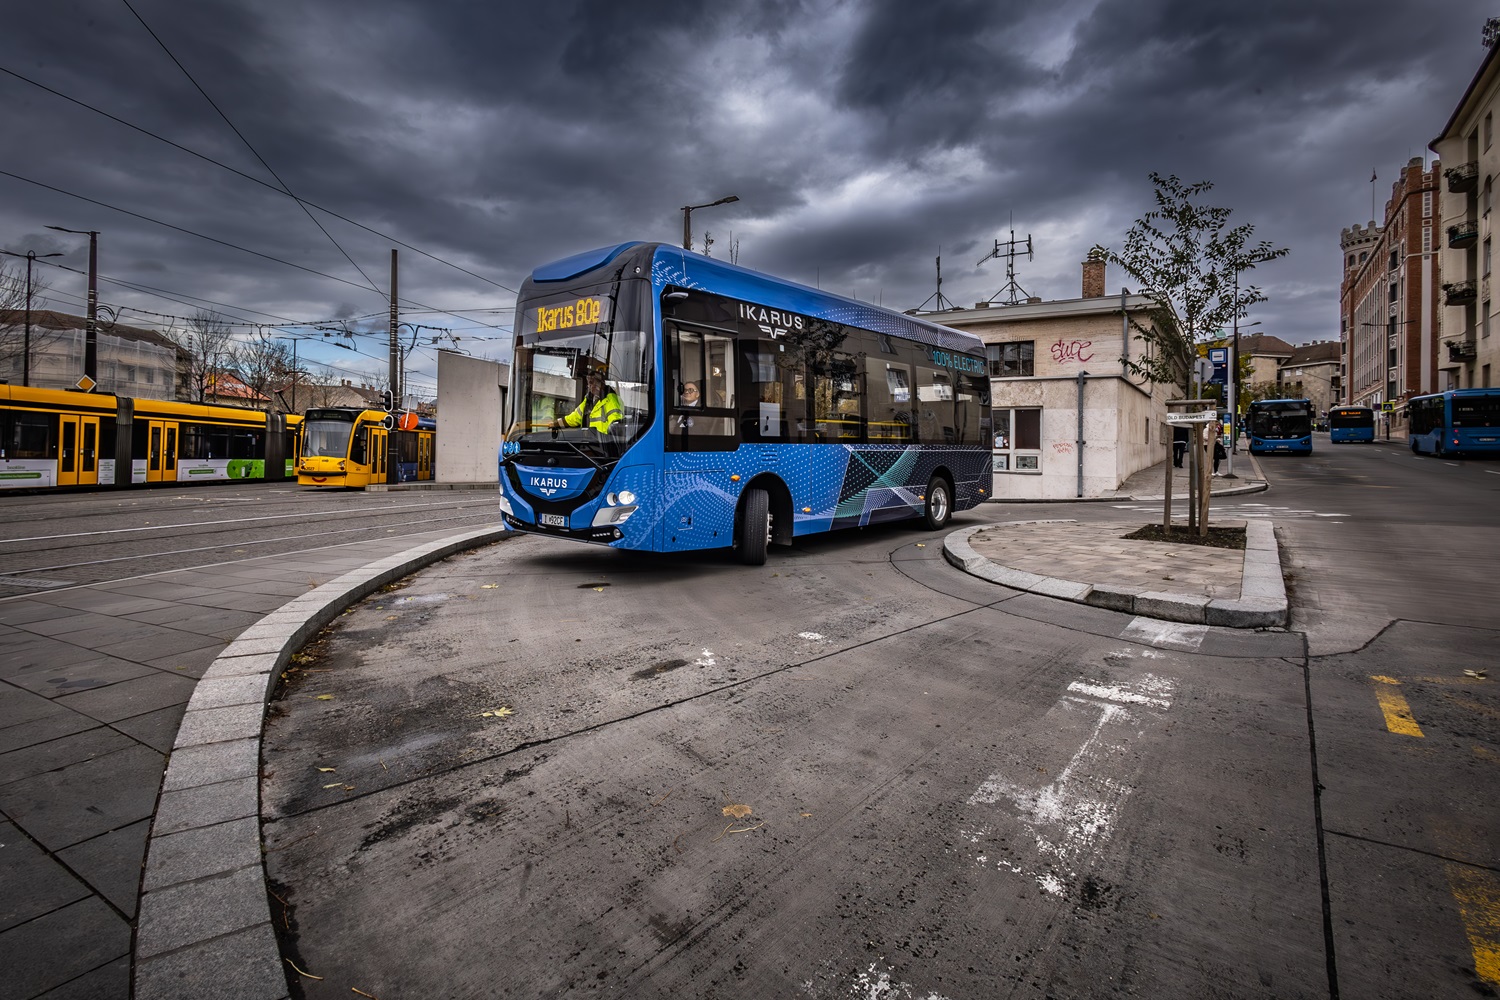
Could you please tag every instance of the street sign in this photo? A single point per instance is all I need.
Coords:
(1219, 358)
(86, 384)
(1206, 417)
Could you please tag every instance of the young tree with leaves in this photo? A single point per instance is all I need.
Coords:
(1188, 260)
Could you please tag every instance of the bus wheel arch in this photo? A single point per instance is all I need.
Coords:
(779, 505)
(938, 498)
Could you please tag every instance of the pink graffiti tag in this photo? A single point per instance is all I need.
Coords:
(1072, 350)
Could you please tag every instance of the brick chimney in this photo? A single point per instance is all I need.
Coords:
(1093, 278)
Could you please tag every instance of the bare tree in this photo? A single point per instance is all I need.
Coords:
(210, 346)
(263, 363)
(13, 319)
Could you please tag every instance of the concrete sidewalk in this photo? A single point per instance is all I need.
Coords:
(96, 681)
(1093, 563)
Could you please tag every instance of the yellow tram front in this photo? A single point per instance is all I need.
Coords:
(343, 446)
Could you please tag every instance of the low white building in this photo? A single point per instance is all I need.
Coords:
(471, 418)
(1070, 420)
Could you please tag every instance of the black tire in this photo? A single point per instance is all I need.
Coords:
(754, 528)
(1414, 449)
(939, 506)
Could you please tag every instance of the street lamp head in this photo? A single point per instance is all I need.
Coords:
(725, 201)
(80, 232)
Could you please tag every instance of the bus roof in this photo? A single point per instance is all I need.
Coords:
(671, 265)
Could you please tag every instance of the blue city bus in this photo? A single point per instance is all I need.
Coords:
(1351, 423)
(750, 410)
(1456, 422)
(1280, 426)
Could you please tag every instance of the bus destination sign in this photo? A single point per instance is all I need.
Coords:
(583, 312)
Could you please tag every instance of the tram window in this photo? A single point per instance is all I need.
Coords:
(139, 435)
(194, 444)
(357, 445)
(31, 435)
(246, 444)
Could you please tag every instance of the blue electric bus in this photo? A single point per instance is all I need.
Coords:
(737, 409)
(1351, 423)
(1456, 422)
(1280, 426)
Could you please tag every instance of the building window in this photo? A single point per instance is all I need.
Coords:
(1486, 377)
(1013, 359)
(1487, 249)
(1489, 129)
(1489, 190)
(1426, 203)
(1018, 440)
(1426, 239)
(1362, 256)
(1395, 260)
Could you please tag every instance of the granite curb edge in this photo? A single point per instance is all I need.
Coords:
(204, 928)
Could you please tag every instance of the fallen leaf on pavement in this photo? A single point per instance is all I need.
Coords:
(325, 697)
(738, 810)
(327, 769)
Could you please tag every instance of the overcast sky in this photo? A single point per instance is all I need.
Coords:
(860, 137)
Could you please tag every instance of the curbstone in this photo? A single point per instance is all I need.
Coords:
(210, 764)
(203, 851)
(219, 725)
(1112, 598)
(206, 805)
(1171, 607)
(244, 965)
(192, 912)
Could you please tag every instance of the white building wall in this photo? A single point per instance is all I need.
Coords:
(471, 418)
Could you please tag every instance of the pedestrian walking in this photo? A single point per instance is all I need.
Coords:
(1179, 445)
(1219, 453)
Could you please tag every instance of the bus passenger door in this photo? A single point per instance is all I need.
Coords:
(67, 452)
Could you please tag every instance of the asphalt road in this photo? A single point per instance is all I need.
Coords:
(57, 540)
(544, 769)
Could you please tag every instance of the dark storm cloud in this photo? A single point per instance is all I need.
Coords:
(859, 137)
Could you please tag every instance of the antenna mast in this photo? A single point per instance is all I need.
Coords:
(1009, 249)
(939, 293)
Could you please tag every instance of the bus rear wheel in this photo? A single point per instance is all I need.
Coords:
(754, 528)
(939, 505)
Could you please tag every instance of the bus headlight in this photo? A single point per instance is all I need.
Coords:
(505, 507)
(626, 497)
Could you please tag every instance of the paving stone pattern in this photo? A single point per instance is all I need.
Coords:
(94, 682)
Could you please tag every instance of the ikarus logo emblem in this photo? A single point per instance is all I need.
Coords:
(547, 485)
(772, 322)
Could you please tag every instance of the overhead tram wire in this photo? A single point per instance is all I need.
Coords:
(212, 239)
(254, 179)
(256, 153)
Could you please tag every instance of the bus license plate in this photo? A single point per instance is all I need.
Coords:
(554, 521)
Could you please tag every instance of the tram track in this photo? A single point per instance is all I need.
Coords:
(299, 540)
(111, 536)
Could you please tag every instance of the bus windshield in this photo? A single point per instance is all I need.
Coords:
(326, 436)
(1281, 420)
(565, 338)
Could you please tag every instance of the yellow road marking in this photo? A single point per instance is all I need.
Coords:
(1478, 895)
(1398, 717)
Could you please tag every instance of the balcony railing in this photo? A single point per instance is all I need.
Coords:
(1464, 177)
(1462, 349)
(1457, 293)
(1463, 235)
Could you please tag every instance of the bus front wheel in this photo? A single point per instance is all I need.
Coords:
(939, 504)
(754, 527)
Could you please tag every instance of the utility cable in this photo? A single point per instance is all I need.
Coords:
(254, 152)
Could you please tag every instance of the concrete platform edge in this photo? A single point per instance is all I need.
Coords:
(1262, 602)
(161, 942)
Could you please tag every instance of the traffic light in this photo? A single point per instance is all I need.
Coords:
(387, 401)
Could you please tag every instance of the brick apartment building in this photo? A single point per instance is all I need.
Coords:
(1471, 356)
(1389, 301)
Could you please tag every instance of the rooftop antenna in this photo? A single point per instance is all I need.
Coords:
(1009, 249)
(939, 293)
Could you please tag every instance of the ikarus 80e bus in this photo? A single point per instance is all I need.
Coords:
(665, 401)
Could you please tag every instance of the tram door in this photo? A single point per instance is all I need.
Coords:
(161, 452)
(377, 454)
(424, 456)
(78, 451)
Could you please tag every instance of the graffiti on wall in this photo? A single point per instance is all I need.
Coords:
(1072, 350)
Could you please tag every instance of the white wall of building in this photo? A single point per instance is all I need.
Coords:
(471, 418)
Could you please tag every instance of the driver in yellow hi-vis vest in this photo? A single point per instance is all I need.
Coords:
(598, 410)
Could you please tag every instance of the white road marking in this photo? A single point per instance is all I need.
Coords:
(810, 636)
(1074, 815)
(706, 660)
(1177, 635)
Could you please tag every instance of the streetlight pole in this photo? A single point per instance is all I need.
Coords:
(90, 334)
(30, 255)
(687, 217)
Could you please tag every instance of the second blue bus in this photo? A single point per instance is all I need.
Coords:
(1280, 426)
(665, 401)
(1456, 422)
(1351, 423)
